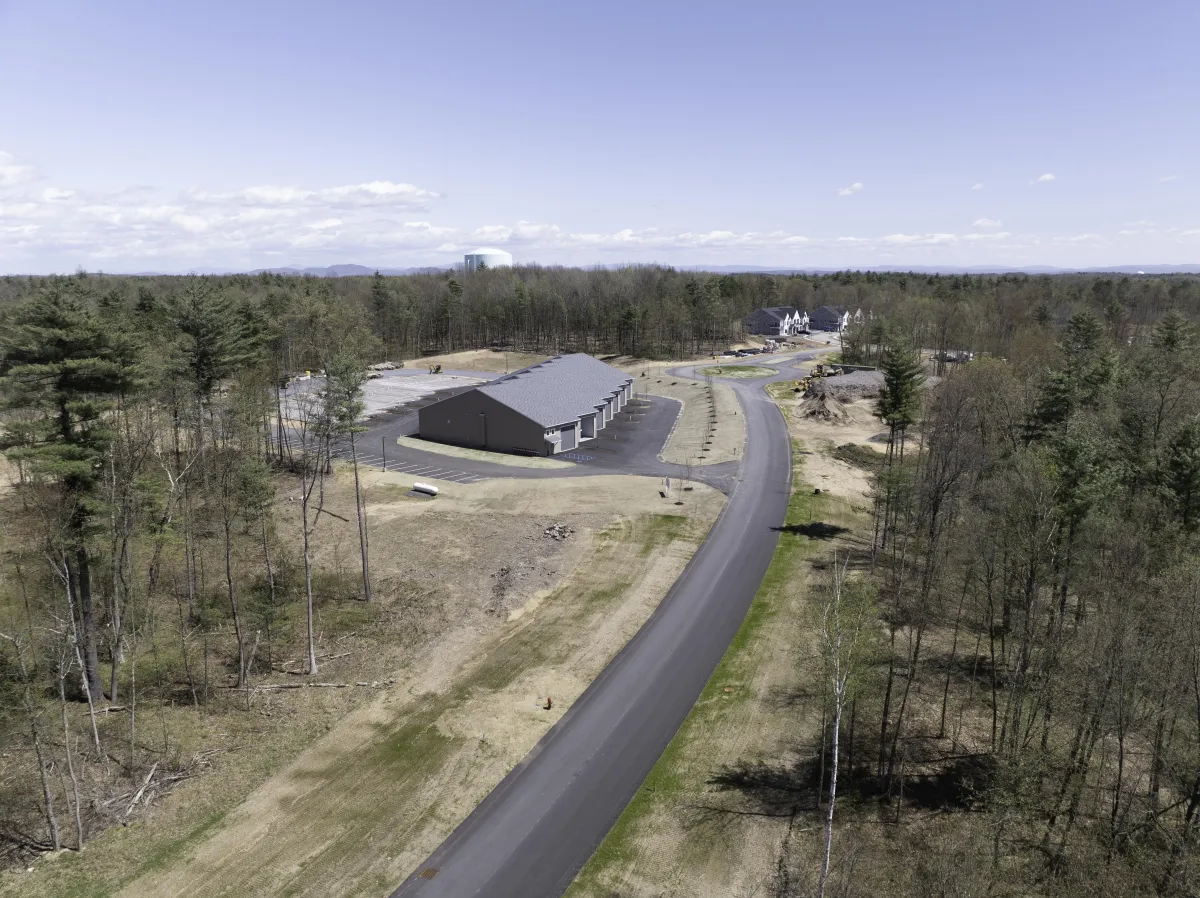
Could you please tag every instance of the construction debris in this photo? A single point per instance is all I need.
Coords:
(385, 366)
(558, 531)
(823, 408)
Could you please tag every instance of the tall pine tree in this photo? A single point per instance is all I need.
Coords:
(59, 367)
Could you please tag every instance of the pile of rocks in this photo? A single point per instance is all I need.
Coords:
(848, 387)
(385, 366)
(558, 531)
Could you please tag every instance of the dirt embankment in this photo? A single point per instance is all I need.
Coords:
(488, 360)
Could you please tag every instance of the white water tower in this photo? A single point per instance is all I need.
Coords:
(486, 258)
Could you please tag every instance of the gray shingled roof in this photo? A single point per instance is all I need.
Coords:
(776, 312)
(558, 390)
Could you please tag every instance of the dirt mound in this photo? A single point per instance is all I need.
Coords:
(823, 408)
(849, 387)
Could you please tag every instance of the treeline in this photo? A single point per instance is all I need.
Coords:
(1034, 566)
(660, 312)
(141, 565)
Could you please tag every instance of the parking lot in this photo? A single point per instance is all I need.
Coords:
(404, 465)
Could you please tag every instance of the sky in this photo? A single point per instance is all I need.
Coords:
(172, 137)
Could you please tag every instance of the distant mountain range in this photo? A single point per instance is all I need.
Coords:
(350, 270)
(950, 269)
(347, 271)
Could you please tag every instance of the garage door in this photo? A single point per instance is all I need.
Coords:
(568, 438)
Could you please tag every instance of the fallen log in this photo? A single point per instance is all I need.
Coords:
(138, 795)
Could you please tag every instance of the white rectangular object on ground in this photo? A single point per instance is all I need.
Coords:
(427, 488)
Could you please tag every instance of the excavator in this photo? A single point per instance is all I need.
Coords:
(823, 370)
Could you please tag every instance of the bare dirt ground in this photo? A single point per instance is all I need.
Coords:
(689, 832)
(686, 444)
(855, 423)
(479, 616)
(488, 360)
(497, 458)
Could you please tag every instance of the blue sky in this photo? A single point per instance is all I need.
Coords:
(171, 137)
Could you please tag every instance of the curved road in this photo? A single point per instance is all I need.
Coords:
(531, 835)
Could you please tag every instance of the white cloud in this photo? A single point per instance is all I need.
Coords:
(13, 171)
(1044, 178)
(851, 190)
(1167, 178)
(919, 239)
(140, 228)
(372, 193)
(978, 185)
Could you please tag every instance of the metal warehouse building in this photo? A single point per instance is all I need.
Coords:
(544, 409)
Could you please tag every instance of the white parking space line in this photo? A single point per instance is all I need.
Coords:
(416, 468)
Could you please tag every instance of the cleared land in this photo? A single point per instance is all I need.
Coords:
(739, 371)
(488, 360)
(497, 458)
(729, 797)
(693, 441)
(480, 615)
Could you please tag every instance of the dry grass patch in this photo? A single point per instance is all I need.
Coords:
(691, 442)
(738, 371)
(496, 458)
(342, 791)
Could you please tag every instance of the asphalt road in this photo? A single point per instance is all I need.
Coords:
(535, 830)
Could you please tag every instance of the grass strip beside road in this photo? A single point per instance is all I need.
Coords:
(636, 858)
(738, 371)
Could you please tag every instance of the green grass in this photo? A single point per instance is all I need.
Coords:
(782, 389)
(739, 371)
(860, 456)
(662, 530)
